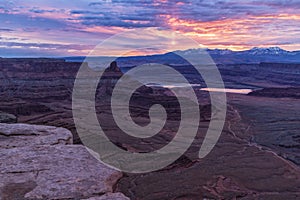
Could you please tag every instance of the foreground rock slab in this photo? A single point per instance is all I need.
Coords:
(53, 172)
(21, 135)
(40, 162)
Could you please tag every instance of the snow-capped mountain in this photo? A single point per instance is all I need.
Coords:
(268, 51)
(254, 55)
(220, 56)
(220, 51)
(204, 50)
(253, 51)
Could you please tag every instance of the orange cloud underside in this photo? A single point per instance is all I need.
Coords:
(240, 34)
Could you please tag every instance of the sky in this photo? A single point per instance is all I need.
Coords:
(71, 28)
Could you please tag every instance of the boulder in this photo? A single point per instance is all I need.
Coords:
(7, 118)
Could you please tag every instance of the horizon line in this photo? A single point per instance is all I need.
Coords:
(154, 54)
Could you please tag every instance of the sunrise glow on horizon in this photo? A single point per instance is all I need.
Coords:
(73, 28)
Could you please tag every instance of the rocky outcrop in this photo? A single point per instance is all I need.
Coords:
(23, 135)
(54, 172)
(7, 118)
(40, 162)
(113, 67)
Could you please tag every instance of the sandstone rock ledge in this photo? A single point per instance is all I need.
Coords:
(47, 166)
(23, 135)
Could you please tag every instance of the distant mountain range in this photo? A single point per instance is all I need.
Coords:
(254, 55)
(220, 56)
(254, 51)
